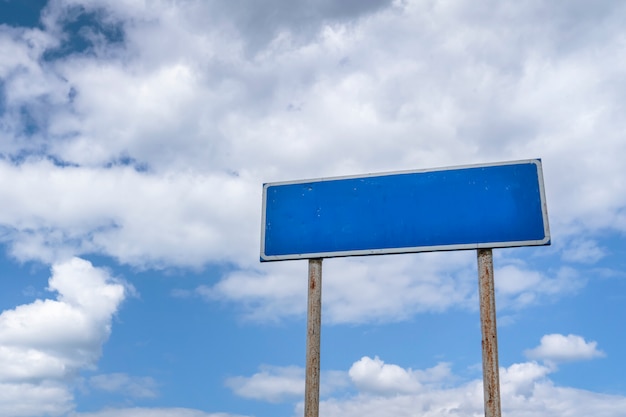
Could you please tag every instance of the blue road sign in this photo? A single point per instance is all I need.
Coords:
(469, 207)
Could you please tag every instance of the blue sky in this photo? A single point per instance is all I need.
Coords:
(135, 137)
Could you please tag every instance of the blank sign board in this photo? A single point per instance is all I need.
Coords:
(469, 207)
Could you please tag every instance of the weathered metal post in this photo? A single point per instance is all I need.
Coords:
(491, 375)
(313, 333)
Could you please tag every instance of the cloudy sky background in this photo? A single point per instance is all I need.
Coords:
(135, 136)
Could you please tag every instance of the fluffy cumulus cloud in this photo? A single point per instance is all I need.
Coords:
(518, 285)
(526, 389)
(26, 399)
(44, 344)
(138, 218)
(387, 288)
(560, 348)
(203, 102)
(280, 384)
(375, 376)
(271, 383)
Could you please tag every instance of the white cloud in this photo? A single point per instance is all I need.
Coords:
(521, 378)
(584, 251)
(30, 399)
(53, 338)
(387, 288)
(442, 84)
(376, 377)
(273, 384)
(518, 286)
(526, 390)
(136, 387)
(282, 383)
(45, 343)
(265, 296)
(555, 348)
(140, 218)
(382, 288)
(396, 287)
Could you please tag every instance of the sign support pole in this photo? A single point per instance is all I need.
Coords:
(486, 291)
(313, 333)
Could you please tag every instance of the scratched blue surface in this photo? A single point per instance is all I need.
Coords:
(412, 212)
